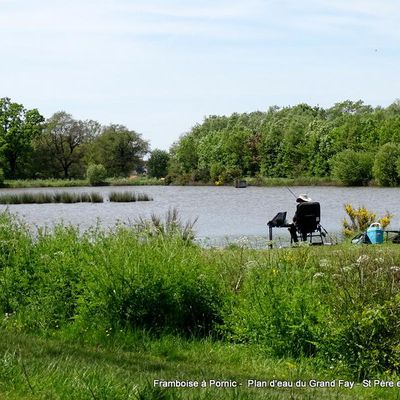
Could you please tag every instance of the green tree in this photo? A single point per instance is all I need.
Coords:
(385, 165)
(157, 165)
(120, 150)
(18, 127)
(352, 168)
(61, 148)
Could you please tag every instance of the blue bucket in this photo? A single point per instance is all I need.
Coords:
(375, 233)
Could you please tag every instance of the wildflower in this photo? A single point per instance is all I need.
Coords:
(395, 269)
(323, 262)
(250, 264)
(379, 259)
(362, 259)
(318, 275)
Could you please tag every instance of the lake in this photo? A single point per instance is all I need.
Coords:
(224, 214)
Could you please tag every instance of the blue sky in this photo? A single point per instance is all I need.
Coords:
(160, 67)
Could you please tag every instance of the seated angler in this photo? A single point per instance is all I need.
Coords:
(303, 198)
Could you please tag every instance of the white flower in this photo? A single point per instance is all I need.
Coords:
(362, 259)
(318, 275)
(323, 262)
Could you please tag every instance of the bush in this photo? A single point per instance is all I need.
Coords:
(385, 165)
(96, 280)
(352, 168)
(1, 177)
(96, 174)
(361, 219)
(157, 165)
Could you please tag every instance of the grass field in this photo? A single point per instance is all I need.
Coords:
(101, 314)
(52, 368)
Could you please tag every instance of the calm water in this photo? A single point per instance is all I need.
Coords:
(224, 213)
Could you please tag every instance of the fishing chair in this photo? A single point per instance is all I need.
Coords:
(308, 217)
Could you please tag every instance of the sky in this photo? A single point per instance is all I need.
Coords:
(160, 67)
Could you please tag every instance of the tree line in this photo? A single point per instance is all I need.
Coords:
(350, 142)
(63, 147)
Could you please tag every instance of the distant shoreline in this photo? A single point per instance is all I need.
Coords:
(144, 181)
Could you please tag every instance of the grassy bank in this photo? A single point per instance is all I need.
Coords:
(33, 183)
(143, 181)
(331, 312)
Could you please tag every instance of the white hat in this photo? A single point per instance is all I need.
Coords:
(303, 197)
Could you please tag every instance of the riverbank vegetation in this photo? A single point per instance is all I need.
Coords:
(57, 197)
(350, 143)
(334, 310)
(35, 183)
(68, 197)
(125, 197)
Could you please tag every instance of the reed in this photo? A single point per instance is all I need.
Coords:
(57, 197)
(125, 197)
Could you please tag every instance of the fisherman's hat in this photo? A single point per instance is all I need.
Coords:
(303, 197)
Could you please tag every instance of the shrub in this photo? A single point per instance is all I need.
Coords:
(157, 284)
(352, 168)
(361, 219)
(385, 166)
(1, 177)
(96, 174)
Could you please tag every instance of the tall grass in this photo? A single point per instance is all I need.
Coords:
(338, 305)
(170, 227)
(125, 197)
(32, 183)
(58, 197)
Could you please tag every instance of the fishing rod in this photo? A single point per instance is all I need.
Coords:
(291, 192)
(325, 232)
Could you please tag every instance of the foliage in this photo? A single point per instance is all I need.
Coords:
(18, 128)
(336, 306)
(119, 149)
(299, 142)
(1, 177)
(385, 166)
(96, 174)
(352, 168)
(289, 142)
(157, 165)
(60, 150)
(361, 219)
